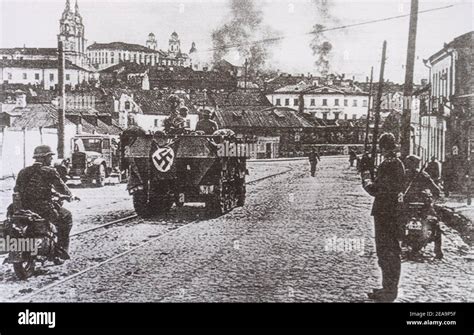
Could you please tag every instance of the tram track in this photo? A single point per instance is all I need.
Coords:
(30, 295)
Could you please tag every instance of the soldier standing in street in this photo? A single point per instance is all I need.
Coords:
(387, 188)
(313, 160)
(35, 185)
(207, 125)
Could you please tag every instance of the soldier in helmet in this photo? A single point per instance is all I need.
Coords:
(387, 188)
(207, 125)
(36, 185)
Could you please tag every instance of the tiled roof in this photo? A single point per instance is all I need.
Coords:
(37, 64)
(121, 46)
(239, 98)
(273, 117)
(37, 115)
(30, 51)
(300, 87)
(46, 116)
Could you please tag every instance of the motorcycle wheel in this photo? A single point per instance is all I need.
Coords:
(25, 270)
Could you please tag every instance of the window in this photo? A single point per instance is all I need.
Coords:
(346, 102)
(354, 117)
(4, 57)
(325, 116)
(295, 102)
(106, 144)
(188, 124)
(354, 103)
(127, 105)
(278, 102)
(336, 102)
(336, 115)
(157, 122)
(325, 102)
(287, 102)
(313, 102)
(68, 77)
(364, 103)
(25, 76)
(10, 76)
(37, 76)
(345, 116)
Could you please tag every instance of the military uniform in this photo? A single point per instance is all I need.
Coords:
(35, 186)
(313, 160)
(207, 126)
(388, 185)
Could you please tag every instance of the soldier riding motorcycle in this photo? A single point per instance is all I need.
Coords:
(37, 216)
(420, 223)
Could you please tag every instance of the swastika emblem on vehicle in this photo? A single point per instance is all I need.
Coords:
(163, 159)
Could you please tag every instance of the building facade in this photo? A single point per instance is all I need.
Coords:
(324, 102)
(104, 55)
(450, 104)
(42, 73)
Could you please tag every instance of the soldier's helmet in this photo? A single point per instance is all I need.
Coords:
(387, 141)
(207, 112)
(42, 151)
(412, 162)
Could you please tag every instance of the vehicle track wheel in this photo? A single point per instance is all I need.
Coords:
(141, 204)
(25, 270)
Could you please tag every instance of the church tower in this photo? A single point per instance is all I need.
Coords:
(151, 42)
(71, 32)
(174, 44)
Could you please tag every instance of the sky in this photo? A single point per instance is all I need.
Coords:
(35, 23)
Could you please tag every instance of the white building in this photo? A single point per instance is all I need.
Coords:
(41, 72)
(325, 102)
(104, 55)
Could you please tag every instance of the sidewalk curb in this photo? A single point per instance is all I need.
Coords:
(457, 221)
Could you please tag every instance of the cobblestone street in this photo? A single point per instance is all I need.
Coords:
(297, 238)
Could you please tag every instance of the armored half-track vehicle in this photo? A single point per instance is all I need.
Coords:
(177, 169)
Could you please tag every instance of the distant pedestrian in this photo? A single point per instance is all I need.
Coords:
(448, 175)
(387, 188)
(434, 169)
(366, 164)
(352, 157)
(314, 158)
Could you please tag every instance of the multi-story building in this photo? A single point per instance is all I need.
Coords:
(104, 55)
(323, 101)
(450, 104)
(41, 72)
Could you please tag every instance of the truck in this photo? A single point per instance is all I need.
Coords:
(94, 158)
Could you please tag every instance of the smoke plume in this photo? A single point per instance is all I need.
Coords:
(320, 44)
(241, 33)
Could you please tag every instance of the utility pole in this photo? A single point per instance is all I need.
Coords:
(408, 88)
(377, 105)
(246, 65)
(367, 128)
(62, 99)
